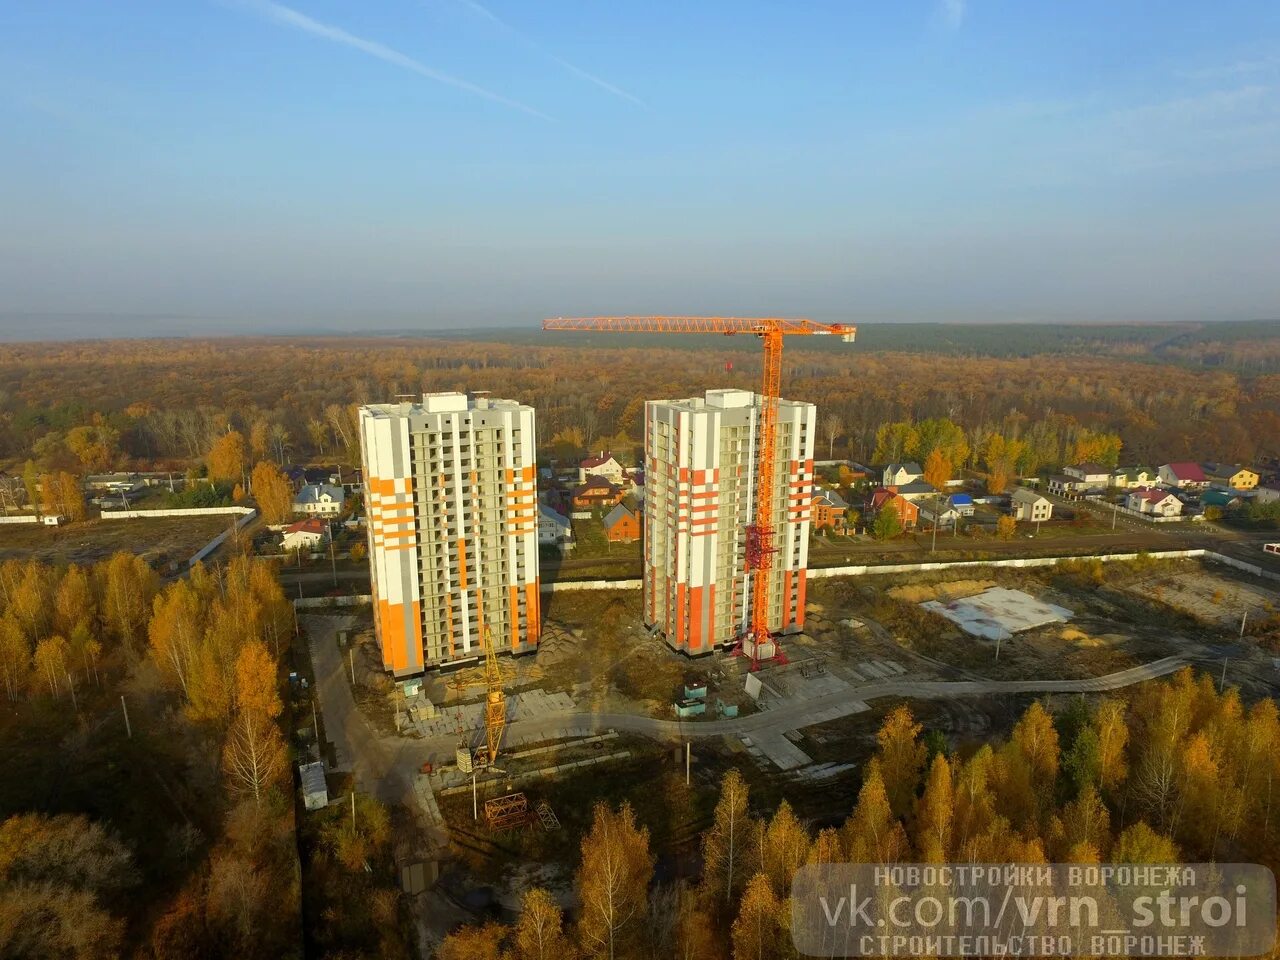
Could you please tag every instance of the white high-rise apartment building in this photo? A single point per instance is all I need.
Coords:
(700, 459)
(451, 498)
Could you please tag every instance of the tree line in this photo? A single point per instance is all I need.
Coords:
(1179, 772)
(169, 403)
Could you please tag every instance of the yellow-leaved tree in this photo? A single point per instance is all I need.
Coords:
(613, 882)
(272, 491)
(227, 458)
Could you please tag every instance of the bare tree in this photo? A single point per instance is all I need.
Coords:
(834, 427)
(280, 440)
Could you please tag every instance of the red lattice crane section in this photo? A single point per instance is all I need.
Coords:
(757, 642)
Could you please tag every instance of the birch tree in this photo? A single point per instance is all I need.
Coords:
(613, 882)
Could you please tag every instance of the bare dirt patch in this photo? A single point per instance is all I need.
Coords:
(158, 540)
(1209, 596)
(943, 592)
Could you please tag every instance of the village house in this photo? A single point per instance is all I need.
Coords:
(596, 492)
(603, 465)
(1026, 504)
(621, 525)
(962, 504)
(1222, 499)
(886, 499)
(915, 491)
(1130, 478)
(1158, 503)
(1183, 475)
(1094, 474)
(899, 474)
(1267, 494)
(554, 529)
(309, 534)
(1072, 487)
(319, 500)
(1227, 476)
(938, 512)
(827, 510)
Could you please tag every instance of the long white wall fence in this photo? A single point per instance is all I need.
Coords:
(872, 570)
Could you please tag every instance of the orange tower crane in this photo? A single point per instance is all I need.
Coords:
(757, 641)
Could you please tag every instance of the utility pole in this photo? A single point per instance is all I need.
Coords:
(1222, 684)
(998, 648)
(688, 759)
(351, 658)
(1243, 620)
(315, 721)
(125, 707)
(934, 546)
(333, 560)
(353, 811)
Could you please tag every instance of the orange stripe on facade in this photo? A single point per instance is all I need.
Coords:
(711, 614)
(533, 611)
(695, 619)
(803, 576)
(682, 620)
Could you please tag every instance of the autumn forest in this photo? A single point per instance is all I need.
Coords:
(91, 406)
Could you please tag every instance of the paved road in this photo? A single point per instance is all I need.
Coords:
(376, 764)
(802, 713)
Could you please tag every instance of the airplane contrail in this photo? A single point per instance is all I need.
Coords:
(483, 11)
(289, 17)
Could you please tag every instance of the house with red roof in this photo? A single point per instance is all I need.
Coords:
(1158, 503)
(308, 534)
(1184, 475)
(596, 492)
(887, 498)
(603, 465)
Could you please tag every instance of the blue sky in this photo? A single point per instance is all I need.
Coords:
(247, 164)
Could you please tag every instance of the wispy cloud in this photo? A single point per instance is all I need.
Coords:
(1205, 108)
(482, 11)
(1239, 68)
(287, 16)
(953, 12)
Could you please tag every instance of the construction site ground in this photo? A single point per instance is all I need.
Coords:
(591, 714)
(158, 540)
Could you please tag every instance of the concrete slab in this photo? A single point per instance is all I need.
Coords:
(784, 754)
(999, 613)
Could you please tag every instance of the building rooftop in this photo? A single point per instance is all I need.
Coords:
(909, 467)
(316, 492)
(433, 403)
(1023, 495)
(309, 525)
(617, 513)
(1187, 470)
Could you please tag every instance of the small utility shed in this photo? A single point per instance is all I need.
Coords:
(315, 792)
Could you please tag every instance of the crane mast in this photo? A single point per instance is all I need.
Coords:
(757, 640)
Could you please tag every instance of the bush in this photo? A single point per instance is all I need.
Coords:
(200, 495)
